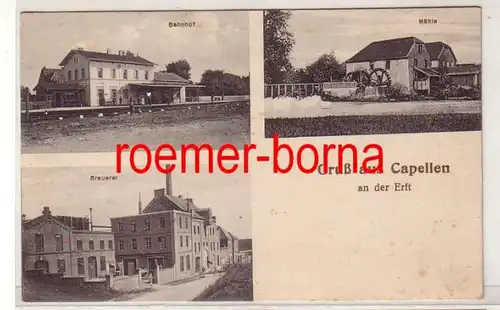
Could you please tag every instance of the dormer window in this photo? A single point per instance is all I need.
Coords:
(420, 48)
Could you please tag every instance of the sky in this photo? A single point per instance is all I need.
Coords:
(220, 40)
(345, 32)
(69, 191)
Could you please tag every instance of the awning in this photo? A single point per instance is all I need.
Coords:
(427, 71)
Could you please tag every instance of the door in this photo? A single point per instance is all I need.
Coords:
(197, 264)
(129, 267)
(58, 99)
(92, 267)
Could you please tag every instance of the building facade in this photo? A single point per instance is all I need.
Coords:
(66, 245)
(88, 78)
(172, 232)
(414, 64)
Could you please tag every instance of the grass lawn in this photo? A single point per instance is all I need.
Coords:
(371, 124)
(214, 124)
(235, 285)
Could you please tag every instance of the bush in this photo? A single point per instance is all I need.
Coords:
(235, 285)
(397, 92)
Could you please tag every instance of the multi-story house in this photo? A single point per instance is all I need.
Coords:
(66, 245)
(229, 247)
(413, 64)
(89, 78)
(172, 232)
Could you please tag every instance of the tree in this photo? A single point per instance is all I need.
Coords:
(233, 84)
(181, 68)
(25, 93)
(325, 69)
(278, 44)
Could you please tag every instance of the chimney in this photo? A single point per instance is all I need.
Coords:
(140, 204)
(168, 188)
(160, 192)
(91, 223)
(189, 204)
(108, 51)
(46, 211)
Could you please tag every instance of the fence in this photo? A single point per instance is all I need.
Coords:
(292, 90)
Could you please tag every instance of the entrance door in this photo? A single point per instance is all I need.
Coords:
(58, 100)
(129, 267)
(92, 267)
(197, 264)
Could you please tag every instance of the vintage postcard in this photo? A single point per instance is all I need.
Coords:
(372, 72)
(395, 91)
(91, 235)
(95, 79)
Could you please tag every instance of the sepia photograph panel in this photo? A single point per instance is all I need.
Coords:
(89, 235)
(372, 71)
(90, 80)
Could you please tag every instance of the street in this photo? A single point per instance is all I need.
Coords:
(179, 292)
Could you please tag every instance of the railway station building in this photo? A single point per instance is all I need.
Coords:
(88, 78)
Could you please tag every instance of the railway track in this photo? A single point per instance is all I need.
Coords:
(45, 115)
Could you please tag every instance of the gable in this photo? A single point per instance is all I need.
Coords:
(46, 222)
(160, 204)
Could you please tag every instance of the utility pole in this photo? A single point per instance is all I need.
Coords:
(222, 84)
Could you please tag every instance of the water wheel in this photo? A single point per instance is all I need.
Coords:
(380, 77)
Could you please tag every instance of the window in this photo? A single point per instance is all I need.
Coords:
(99, 73)
(125, 74)
(69, 75)
(148, 243)
(113, 73)
(76, 74)
(188, 262)
(110, 244)
(372, 65)
(387, 65)
(162, 223)
(83, 73)
(198, 227)
(147, 225)
(133, 226)
(134, 244)
(81, 266)
(79, 245)
(163, 242)
(218, 261)
(186, 222)
(125, 93)
(181, 241)
(61, 266)
(121, 244)
(136, 74)
(59, 243)
(146, 75)
(426, 63)
(102, 245)
(218, 248)
(102, 263)
(120, 226)
(182, 263)
(415, 62)
(180, 222)
(91, 244)
(187, 241)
